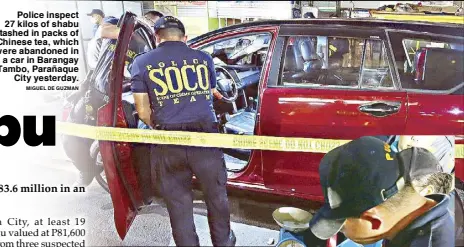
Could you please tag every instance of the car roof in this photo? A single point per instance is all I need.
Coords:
(432, 27)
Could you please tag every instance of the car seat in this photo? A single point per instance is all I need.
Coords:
(312, 62)
(290, 66)
(241, 123)
(307, 62)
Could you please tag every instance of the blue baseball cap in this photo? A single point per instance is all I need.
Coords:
(355, 177)
(96, 12)
(169, 22)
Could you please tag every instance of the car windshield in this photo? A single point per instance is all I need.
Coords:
(240, 48)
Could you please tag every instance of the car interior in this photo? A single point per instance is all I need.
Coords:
(314, 60)
(319, 61)
(238, 63)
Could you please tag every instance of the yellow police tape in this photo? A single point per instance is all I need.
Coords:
(286, 144)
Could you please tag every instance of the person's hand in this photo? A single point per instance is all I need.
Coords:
(217, 94)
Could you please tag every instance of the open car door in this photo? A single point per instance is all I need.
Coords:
(126, 176)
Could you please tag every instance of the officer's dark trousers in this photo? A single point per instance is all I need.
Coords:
(175, 166)
(78, 149)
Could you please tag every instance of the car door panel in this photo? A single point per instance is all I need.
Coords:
(317, 113)
(252, 173)
(312, 112)
(444, 114)
(124, 184)
(331, 114)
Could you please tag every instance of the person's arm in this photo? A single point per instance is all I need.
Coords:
(216, 93)
(140, 93)
(142, 105)
(94, 49)
(109, 31)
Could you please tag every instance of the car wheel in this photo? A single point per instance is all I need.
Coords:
(101, 177)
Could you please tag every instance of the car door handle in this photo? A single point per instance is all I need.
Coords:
(380, 108)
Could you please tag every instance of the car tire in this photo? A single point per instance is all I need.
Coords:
(101, 177)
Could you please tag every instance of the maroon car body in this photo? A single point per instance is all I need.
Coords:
(329, 113)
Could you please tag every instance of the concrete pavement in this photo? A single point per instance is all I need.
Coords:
(252, 222)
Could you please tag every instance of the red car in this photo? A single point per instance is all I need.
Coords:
(320, 78)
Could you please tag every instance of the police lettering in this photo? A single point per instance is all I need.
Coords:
(131, 54)
(388, 150)
(177, 79)
(185, 79)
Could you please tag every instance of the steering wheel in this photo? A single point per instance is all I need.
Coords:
(228, 88)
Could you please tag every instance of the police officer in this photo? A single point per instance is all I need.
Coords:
(153, 15)
(93, 48)
(428, 178)
(112, 31)
(96, 17)
(76, 148)
(173, 88)
(369, 197)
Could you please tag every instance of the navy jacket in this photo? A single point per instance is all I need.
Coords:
(178, 80)
(434, 228)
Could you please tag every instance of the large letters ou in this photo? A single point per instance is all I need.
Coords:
(31, 138)
(181, 79)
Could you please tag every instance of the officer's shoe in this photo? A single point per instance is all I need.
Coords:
(232, 238)
(83, 180)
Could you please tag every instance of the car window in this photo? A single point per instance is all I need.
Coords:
(429, 63)
(335, 62)
(376, 72)
(244, 50)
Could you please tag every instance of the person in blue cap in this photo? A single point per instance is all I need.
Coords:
(96, 17)
(101, 52)
(77, 148)
(112, 31)
(153, 15)
(173, 88)
(428, 178)
(369, 197)
(94, 45)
